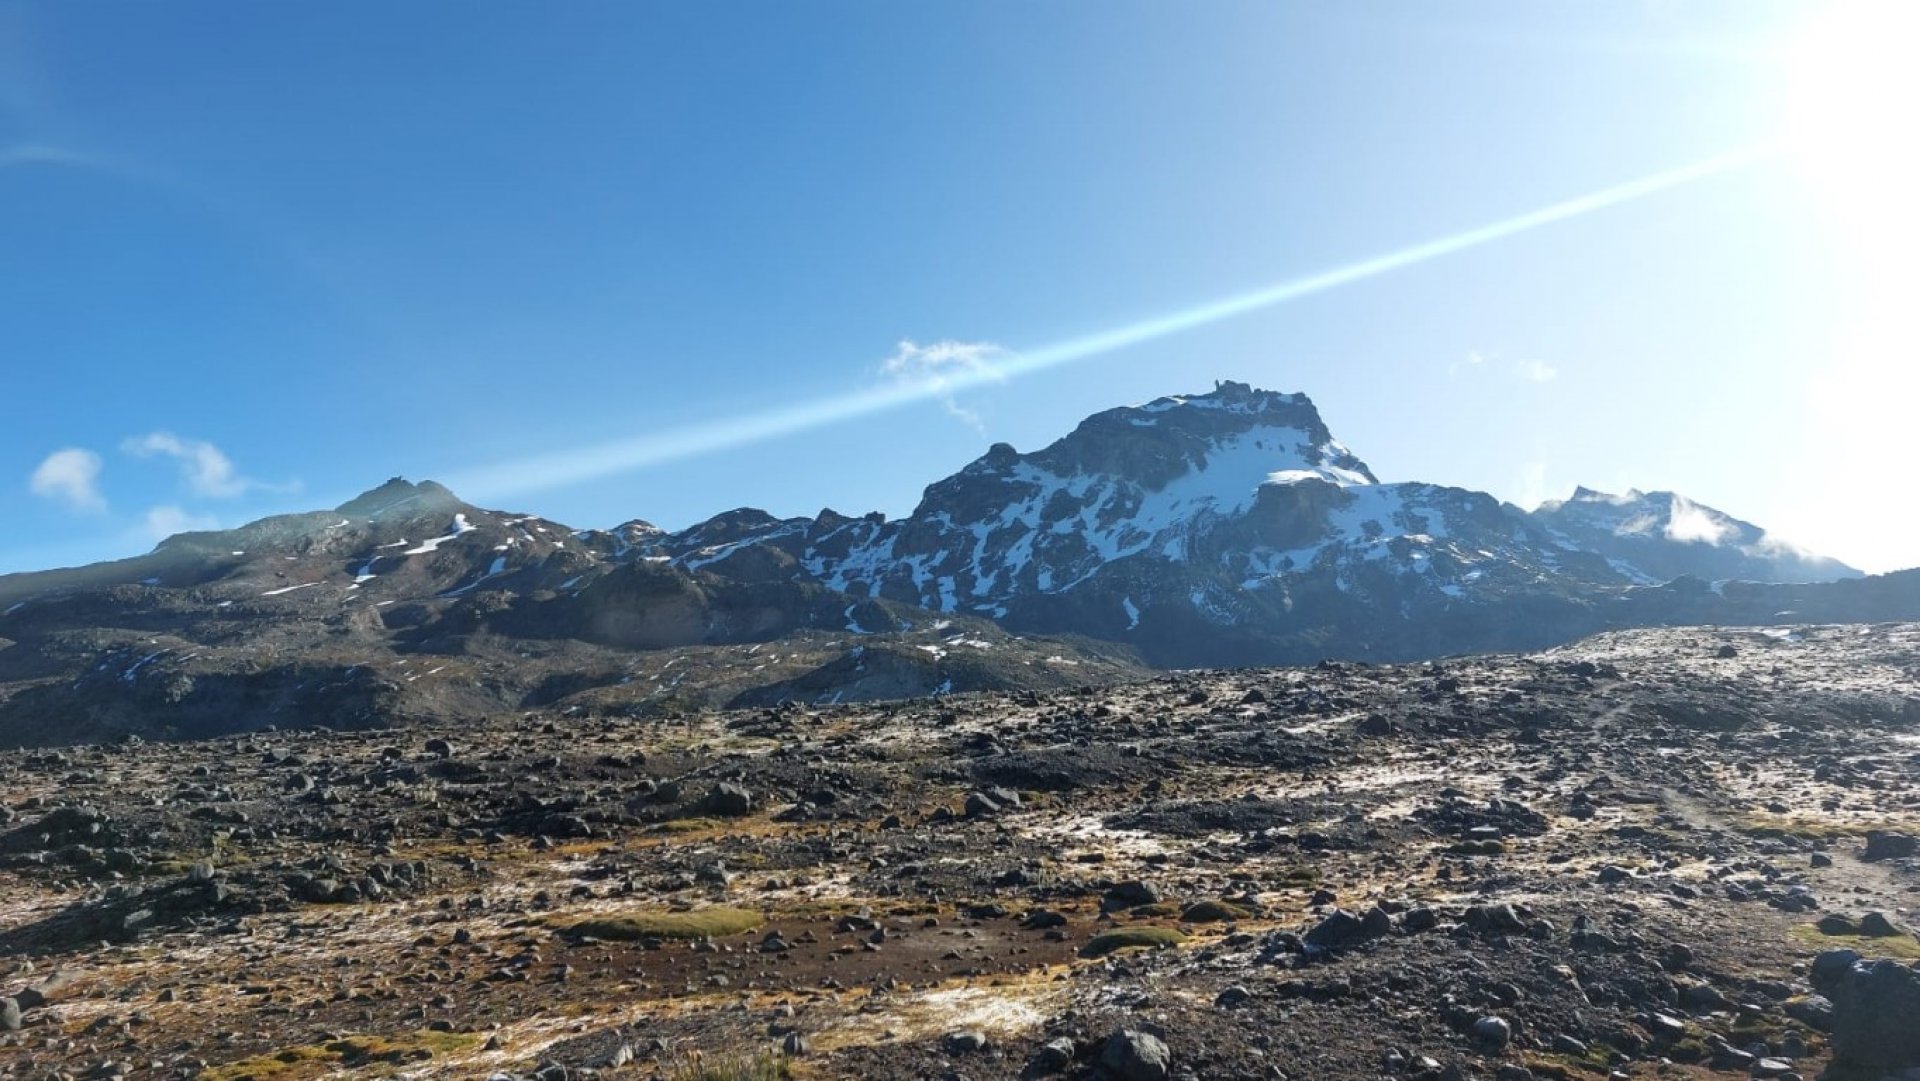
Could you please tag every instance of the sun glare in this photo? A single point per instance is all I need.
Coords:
(1855, 71)
(1855, 89)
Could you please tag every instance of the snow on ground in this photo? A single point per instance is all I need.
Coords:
(494, 570)
(460, 525)
(133, 671)
(963, 640)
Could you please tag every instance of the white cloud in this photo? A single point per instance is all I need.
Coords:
(1536, 371)
(164, 521)
(1474, 359)
(70, 476)
(209, 472)
(938, 365)
(1531, 371)
(1688, 521)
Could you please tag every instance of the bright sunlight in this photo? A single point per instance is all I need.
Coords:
(1854, 87)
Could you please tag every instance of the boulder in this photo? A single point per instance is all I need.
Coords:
(981, 805)
(1879, 925)
(1132, 1055)
(729, 799)
(1874, 1008)
(1813, 1011)
(1493, 1032)
(1339, 928)
(1133, 893)
(1884, 845)
(1830, 966)
(1052, 1057)
(966, 1042)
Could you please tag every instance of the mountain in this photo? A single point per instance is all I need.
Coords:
(407, 603)
(1221, 529)
(1233, 528)
(1659, 536)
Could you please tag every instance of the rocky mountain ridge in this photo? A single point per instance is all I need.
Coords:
(1232, 527)
(407, 603)
(1229, 528)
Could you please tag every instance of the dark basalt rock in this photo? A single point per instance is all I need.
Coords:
(1874, 1007)
(1883, 845)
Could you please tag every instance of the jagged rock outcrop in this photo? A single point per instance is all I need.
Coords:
(1233, 528)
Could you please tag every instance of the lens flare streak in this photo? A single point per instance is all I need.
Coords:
(564, 468)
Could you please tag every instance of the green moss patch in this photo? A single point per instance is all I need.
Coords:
(1598, 1061)
(1814, 827)
(1899, 947)
(1127, 938)
(686, 825)
(1214, 912)
(1298, 876)
(712, 922)
(314, 1060)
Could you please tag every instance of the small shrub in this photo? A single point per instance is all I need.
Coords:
(757, 1066)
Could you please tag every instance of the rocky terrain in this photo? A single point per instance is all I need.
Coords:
(1653, 853)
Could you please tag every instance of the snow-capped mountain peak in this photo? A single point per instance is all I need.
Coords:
(1657, 536)
(1233, 513)
(1219, 528)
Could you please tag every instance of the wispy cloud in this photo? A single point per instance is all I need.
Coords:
(164, 521)
(1533, 485)
(24, 154)
(206, 468)
(1530, 371)
(1473, 359)
(70, 476)
(1536, 371)
(1688, 521)
(936, 368)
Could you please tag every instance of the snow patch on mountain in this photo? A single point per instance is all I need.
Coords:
(460, 526)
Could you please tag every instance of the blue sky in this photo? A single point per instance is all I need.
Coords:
(259, 257)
